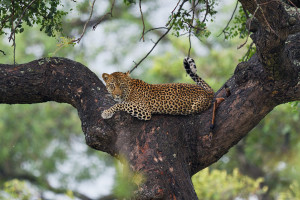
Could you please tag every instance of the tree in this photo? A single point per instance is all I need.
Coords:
(165, 152)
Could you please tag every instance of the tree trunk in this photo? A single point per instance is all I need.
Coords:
(168, 150)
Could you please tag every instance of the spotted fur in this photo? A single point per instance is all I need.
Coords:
(141, 99)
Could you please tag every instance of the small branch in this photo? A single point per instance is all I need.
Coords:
(244, 42)
(246, 56)
(150, 50)
(223, 31)
(19, 20)
(250, 25)
(206, 11)
(266, 18)
(197, 3)
(262, 12)
(295, 7)
(189, 53)
(172, 13)
(152, 29)
(14, 44)
(108, 13)
(246, 12)
(143, 33)
(3, 52)
(84, 28)
(4, 21)
(168, 30)
(190, 31)
(13, 33)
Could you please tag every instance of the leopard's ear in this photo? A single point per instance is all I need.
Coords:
(105, 76)
(127, 73)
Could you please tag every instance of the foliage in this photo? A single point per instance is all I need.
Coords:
(218, 185)
(16, 190)
(37, 147)
(187, 21)
(238, 26)
(125, 181)
(215, 68)
(293, 192)
(272, 147)
(128, 2)
(251, 51)
(44, 13)
(64, 42)
(31, 44)
(30, 133)
(279, 163)
(21, 190)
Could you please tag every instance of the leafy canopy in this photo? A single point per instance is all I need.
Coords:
(14, 14)
(192, 18)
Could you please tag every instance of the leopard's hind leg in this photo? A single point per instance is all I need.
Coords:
(201, 104)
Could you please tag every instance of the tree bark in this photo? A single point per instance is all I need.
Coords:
(168, 150)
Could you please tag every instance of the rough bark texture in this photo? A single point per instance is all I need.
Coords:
(168, 150)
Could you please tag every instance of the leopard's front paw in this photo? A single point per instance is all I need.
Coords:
(106, 114)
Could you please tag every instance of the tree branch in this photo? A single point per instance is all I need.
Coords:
(85, 25)
(168, 30)
(223, 31)
(105, 16)
(168, 150)
(19, 20)
(64, 81)
(142, 16)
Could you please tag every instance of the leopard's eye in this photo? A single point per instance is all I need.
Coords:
(112, 86)
(122, 85)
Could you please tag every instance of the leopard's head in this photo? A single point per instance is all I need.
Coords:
(117, 84)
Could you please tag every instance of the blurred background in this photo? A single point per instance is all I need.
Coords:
(43, 154)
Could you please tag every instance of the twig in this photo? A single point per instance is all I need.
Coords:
(246, 12)
(183, 34)
(152, 29)
(108, 13)
(13, 33)
(206, 11)
(244, 42)
(223, 31)
(172, 13)
(245, 57)
(259, 7)
(170, 27)
(190, 31)
(295, 7)
(3, 52)
(151, 49)
(143, 33)
(197, 3)
(19, 20)
(189, 53)
(4, 21)
(84, 28)
(249, 26)
(14, 44)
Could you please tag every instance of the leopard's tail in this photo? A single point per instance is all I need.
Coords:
(190, 67)
(191, 70)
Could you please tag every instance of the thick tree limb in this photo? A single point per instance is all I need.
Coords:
(167, 147)
(168, 150)
(63, 81)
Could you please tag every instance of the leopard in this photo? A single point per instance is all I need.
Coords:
(141, 99)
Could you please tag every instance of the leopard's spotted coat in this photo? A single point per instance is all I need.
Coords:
(141, 99)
